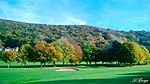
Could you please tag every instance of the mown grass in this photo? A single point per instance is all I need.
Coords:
(85, 75)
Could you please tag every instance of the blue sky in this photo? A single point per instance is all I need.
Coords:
(114, 14)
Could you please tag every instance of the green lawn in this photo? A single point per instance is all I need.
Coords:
(85, 75)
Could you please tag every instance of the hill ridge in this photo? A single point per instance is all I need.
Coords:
(16, 33)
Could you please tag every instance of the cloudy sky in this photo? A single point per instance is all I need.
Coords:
(114, 14)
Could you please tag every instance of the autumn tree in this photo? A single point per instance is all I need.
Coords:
(8, 57)
(54, 53)
(133, 53)
(39, 52)
(78, 54)
(67, 49)
(143, 55)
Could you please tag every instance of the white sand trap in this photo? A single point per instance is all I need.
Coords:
(68, 69)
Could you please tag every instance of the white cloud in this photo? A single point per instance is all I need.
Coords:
(72, 20)
(18, 12)
(39, 13)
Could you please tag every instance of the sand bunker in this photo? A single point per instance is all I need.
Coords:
(68, 69)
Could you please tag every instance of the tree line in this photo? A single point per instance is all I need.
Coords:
(68, 50)
(63, 50)
(126, 53)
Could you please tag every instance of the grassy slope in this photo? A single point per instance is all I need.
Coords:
(86, 75)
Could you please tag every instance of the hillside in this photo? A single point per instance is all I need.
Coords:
(14, 33)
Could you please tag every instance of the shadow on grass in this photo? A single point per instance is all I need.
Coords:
(101, 65)
(138, 74)
(129, 78)
(28, 66)
(84, 81)
(121, 80)
(66, 65)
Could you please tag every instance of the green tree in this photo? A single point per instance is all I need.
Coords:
(133, 38)
(97, 54)
(128, 52)
(114, 51)
(1, 55)
(8, 57)
(87, 51)
(50, 39)
(1, 45)
(23, 54)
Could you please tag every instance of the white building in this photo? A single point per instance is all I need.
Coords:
(11, 49)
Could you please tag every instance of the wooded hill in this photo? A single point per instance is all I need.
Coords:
(14, 33)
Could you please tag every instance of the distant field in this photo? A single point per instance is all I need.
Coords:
(85, 75)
